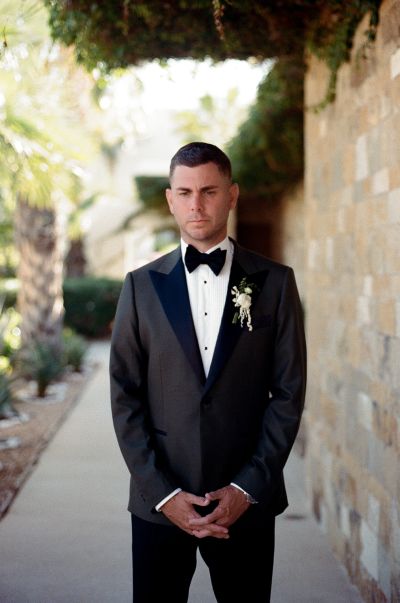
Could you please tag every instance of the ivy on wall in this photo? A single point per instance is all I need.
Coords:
(120, 33)
(267, 153)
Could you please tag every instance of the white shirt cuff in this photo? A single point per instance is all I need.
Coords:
(250, 498)
(167, 498)
(239, 488)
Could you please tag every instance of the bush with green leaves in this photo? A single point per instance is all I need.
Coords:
(90, 304)
(10, 341)
(42, 363)
(8, 292)
(10, 334)
(74, 349)
(6, 395)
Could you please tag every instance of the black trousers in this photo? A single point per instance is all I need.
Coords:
(164, 561)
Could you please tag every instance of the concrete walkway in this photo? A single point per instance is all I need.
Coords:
(66, 538)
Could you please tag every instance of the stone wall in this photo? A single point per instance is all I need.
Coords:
(351, 280)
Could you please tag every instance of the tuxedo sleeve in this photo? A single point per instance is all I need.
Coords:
(281, 419)
(128, 378)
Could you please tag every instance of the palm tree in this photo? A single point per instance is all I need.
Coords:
(37, 150)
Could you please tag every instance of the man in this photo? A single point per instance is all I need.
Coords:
(208, 371)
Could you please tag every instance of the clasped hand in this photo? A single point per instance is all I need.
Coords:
(231, 505)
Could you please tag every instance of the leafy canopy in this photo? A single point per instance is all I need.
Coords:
(117, 34)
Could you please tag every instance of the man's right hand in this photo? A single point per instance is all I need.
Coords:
(180, 510)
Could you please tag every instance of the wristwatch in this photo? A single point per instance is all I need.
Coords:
(249, 498)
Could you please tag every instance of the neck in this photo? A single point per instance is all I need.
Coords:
(204, 246)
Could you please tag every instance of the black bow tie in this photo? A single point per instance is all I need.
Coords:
(215, 259)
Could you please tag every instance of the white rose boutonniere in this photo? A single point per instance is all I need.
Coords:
(242, 300)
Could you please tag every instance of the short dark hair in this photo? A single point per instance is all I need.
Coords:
(198, 153)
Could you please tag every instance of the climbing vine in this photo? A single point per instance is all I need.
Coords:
(267, 152)
(117, 33)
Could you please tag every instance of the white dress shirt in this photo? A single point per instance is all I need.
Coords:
(207, 296)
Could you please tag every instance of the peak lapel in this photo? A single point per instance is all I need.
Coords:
(172, 290)
(229, 333)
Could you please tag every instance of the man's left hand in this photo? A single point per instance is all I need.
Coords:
(232, 504)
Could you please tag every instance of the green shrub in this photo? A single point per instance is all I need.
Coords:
(89, 302)
(6, 395)
(10, 333)
(8, 291)
(74, 349)
(41, 362)
(90, 305)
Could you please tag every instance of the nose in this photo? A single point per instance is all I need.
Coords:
(196, 203)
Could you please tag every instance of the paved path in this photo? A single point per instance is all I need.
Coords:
(66, 538)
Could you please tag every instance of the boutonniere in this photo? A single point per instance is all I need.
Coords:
(242, 299)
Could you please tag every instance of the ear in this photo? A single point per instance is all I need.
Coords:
(168, 194)
(234, 193)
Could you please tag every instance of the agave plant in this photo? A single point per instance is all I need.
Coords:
(41, 362)
(6, 395)
(74, 349)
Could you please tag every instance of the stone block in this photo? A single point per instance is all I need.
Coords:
(376, 458)
(395, 530)
(398, 319)
(386, 318)
(380, 181)
(365, 410)
(392, 254)
(347, 195)
(390, 22)
(390, 470)
(394, 206)
(363, 310)
(394, 175)
(362, 167)
(391, 366)
(395, 64)
(374, 150)
(368, 285)
(395, 583)
(369, 550)
(373, 513)
(329, 256)
(384, 572)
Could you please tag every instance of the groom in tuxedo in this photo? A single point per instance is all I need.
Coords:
(208, 374)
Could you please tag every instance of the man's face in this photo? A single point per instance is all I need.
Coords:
(200, 199)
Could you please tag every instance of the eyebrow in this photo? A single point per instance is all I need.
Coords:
(203, 188)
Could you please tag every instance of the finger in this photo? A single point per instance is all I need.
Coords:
(205, 532)
(210, 518)
(198, 500)
(216, 495)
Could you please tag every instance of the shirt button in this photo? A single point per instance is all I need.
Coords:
(205, 313)
(205, 282)
(206, 348)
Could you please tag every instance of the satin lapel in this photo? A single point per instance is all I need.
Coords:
(172, 291)
(229, 333)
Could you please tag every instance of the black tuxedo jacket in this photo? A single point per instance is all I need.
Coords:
(176, 428)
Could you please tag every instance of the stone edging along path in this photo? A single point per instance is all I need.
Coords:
(29, 434)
